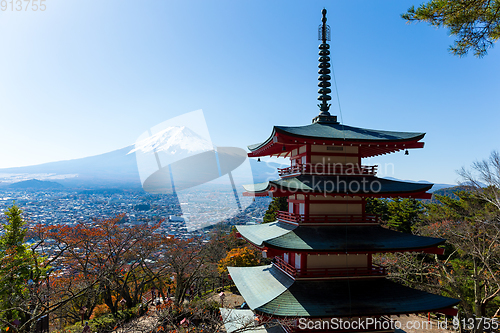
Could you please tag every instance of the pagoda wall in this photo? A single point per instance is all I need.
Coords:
(325, 205)
(333, 160)
(337, 261)
(335, 209)
(334, 149)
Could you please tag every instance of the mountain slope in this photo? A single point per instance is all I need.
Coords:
(115, 168)
(36, 185)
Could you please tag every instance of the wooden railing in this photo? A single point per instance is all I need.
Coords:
(342, 271)
(288, 217)
(317, 218)
(284, 266)
(374, 270)
(329, 169)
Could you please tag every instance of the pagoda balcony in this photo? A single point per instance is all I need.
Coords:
(329, 169)
(297, 273)
(322, 218)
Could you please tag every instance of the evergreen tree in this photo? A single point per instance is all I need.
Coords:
(379, 207)
(14, 267)
(476, 24)
(398, 214)
(276, 204)
(404, 214)
(14, 230)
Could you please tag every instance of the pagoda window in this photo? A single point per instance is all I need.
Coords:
(302, 208)
(285, 257)
(290, 207)
(302, 149)
(297, 260)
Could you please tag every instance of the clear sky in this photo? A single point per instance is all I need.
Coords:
(87, 77)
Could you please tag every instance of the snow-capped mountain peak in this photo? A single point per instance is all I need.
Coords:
(173, 140)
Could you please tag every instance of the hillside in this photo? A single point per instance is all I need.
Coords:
(448, 192)
(35, 184)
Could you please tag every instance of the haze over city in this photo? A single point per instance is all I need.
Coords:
(85, 78)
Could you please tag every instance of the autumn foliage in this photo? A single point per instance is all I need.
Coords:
(238, 257)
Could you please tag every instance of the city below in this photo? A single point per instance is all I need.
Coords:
(182, 217)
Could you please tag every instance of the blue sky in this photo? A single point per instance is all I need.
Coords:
(87, 77)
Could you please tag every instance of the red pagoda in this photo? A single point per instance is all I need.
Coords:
(322, 247)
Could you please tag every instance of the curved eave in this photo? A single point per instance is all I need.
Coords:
(336, 239)
(368, 145)
(351, 239)
(259, 284)
(259, 233)
(340, 185)
(352, 298)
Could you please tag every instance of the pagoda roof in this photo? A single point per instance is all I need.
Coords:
(261, 284)
(333, 298)
(342, 185)
(243, 320)
(342, 239)
(339, 131)
(335, 133)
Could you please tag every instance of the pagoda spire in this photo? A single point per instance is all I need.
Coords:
(324, 74)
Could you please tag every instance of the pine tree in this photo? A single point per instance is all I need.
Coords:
(404, 214)
(14, 229)
(16, 271)
(276, 205)
(476, 24)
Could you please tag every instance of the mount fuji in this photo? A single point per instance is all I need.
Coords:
(173, 140)
(119, 169)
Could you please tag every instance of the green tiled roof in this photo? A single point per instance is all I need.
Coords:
(352, 297)
(238, 320)
(340, 184)
(259, 233)
(261, 284)
(340, 132)
(334, 238)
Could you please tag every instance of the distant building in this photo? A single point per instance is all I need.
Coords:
(174, 218)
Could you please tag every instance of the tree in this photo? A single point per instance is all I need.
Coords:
(470, 270)
(100, 262)
(23, 284)
(277, 204)
(475, 23)
(379, 207)
(238, 257)
(484, 178)
(404, 214)
(398, 214)
(186, 260)
(470, 222)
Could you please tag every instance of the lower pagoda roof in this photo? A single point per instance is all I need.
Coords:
(340, 185)
(243, 320)
(331, 298)
(343, 238)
